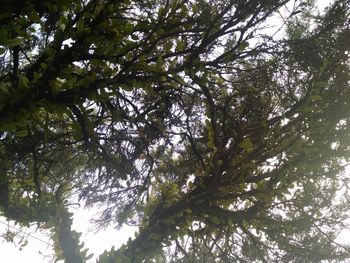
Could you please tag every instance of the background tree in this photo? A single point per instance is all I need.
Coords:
(183, 118)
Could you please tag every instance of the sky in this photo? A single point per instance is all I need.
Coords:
(39, 249)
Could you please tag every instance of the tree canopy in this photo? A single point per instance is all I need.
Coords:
(188, 119)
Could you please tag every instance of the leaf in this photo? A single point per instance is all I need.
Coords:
(316, 98)
(306, 109)
(246, 144)
(43, 65)
(245, 224)
(324, 67)
(23, 82)
(188, 211)
(128, 29)
(159, 63)
(80, 26)
(161, 12)
(243, 46)
(90, 256)
(50, 52)
(36, 76)
(190, 184)
(180, 80)
(215, 220)
(98, 62)
(180, 46)
(13, 42)
(122, 259)
(21, 133)
(322, 84)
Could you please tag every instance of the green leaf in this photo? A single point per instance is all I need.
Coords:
(230, 221)
(246, 144)
(23, 82)
(36, 76)
(180, 46)
(128, 29)
(21, 133)
(322, 84)
(243, 46)
(161, 11)
(12, 42)
(188, 211)
(80, 26)
(245, 224)
(306, 109)
(316, 98)
(43, 65)
(180, 80)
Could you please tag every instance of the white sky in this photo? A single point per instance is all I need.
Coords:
(40, 251)
(36, 250)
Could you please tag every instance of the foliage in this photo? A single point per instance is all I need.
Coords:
(221, 142)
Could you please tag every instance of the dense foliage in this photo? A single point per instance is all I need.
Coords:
(222, 142)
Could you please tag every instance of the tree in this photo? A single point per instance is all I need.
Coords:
(184, 118)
